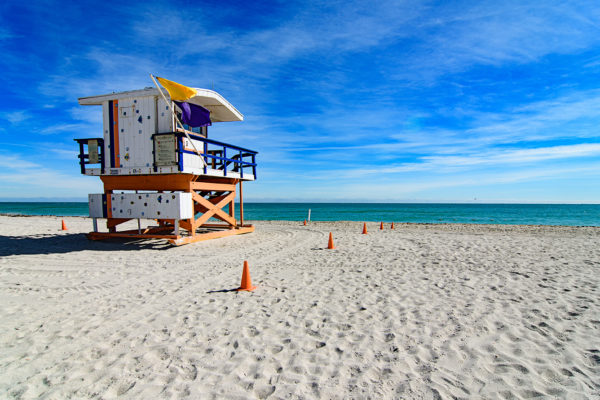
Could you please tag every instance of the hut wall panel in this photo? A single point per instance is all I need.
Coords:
(165, 118)
(96, 206)
(126, 111)
(148, 124)
(106, 134)
(152, 205)
(136, 126)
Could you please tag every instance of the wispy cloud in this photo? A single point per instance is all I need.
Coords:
(15, 117)
(12, 162)
(501, 158)
(23, 178)
(460, 35)
(62, 128)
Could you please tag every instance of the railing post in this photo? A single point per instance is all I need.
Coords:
(101, 147)
(254, 166)
(205, 157)
(81, 158)
(224, 161)
(180, 153)
(241, 205)
(241, 165)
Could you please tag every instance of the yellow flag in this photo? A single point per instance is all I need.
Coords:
(177, 90)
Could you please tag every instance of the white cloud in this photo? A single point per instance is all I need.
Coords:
(15, 117)
(89, 114)
(457, 36)
(393, 188)
(63, 153)
(500, 157)
(29, 179)
(572, 115)
(15, 162)
(63, 128)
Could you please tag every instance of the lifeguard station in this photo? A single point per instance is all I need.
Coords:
(157, 163)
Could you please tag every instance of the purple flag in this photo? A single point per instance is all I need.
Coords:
(193, 115)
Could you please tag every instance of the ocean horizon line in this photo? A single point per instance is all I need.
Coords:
(469, 213)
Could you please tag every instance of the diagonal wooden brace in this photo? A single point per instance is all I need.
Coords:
(201, 208)
(214, 209)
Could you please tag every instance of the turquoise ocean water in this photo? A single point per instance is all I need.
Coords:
(513, 214)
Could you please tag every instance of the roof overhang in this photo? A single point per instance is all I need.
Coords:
(220, 109)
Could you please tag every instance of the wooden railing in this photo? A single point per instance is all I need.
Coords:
(84, 155)
(221, 156)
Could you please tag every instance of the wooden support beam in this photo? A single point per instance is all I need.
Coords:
(232, 207)
(133, 235)
(107, 193)
(215, 199)
(221, 187)
(223, 226)
(241, 205)
(198, 208)
(147, 182)
(161, 228)
(214, 209)
(151, 231)
(211, 235)
(173, 239)
(188, 225)
(216, 179)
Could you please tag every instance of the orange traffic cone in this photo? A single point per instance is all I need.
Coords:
(330, 245)
(246, 281)
(64, 226)
(304, 222)
(365, 229)
(381, 226)
(392, 225)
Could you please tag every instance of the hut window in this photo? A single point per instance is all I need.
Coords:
(200, 130)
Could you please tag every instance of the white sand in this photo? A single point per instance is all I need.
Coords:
(424, 311)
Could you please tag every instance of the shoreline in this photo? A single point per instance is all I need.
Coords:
(336, 221)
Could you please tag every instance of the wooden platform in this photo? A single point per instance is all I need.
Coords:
(176, 240)
(210, 197)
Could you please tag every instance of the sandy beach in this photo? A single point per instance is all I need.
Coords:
(418, 312)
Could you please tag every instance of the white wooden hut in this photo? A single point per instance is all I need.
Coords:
(153, 167)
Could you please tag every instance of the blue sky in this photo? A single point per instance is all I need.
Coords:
(345, 101)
